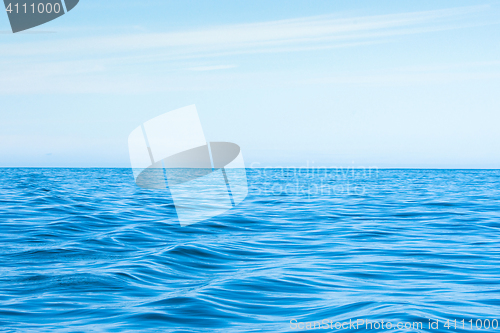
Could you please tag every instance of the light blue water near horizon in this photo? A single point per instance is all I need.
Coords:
(86, 250)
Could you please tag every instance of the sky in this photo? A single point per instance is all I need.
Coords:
(387, 84)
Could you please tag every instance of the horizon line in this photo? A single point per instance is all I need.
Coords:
(264, 168)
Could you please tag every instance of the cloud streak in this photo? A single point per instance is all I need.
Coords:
(99, 63)
(256, 37)
(211, 68)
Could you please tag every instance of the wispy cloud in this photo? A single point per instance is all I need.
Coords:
(104, 59)
(255, 37)
(211, 68)
(430, 74)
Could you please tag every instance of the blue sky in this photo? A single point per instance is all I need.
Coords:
(324, 83)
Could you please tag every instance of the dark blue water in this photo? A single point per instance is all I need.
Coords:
(86, 250)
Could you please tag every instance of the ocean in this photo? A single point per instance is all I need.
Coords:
(86, 250)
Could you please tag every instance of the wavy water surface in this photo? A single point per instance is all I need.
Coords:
(87, 250)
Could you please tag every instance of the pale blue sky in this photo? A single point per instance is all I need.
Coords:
(337, 83)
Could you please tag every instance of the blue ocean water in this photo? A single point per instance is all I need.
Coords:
(86, 250)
